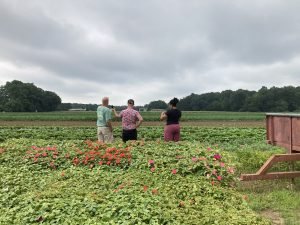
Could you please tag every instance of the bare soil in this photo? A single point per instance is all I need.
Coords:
(145, 123)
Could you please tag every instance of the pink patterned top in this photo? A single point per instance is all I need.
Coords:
(129, 118)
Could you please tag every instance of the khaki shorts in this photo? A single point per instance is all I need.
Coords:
(105, 135)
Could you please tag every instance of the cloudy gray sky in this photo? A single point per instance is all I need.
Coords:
(149, 50)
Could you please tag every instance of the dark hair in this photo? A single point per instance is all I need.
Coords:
(174, 102)
(130, 101)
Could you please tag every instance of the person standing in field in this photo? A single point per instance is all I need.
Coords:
(104, 126)
(172, 116)
(131, 120)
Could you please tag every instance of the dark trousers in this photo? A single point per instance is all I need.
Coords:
(129, 135)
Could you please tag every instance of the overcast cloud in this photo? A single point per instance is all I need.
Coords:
(149, 50)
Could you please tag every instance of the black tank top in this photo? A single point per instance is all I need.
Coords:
(173, 116)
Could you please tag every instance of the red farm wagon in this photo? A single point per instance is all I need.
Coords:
(282, 130)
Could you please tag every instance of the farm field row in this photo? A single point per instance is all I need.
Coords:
(54, 175)
(188, 133)
(148, 116)
(211, 123)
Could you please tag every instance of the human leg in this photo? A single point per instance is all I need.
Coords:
(107, 135)
(176, 132)
(100, 134)
(168, 133)
(129, 135)
(134, 135)
(124, 136)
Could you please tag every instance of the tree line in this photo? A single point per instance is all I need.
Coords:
(17, 96)
(275, 99)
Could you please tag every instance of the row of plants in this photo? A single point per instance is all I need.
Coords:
(144, 182)
(188, 133)
(148, 116)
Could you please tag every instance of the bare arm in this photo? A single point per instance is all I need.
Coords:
(163, 116)
(115, 113)
(140, 120)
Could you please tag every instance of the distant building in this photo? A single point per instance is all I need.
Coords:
(157, 110)
(142, 109)
(78, 109)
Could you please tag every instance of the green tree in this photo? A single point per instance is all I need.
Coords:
(238, 100)
(264, 100)
(64, 106)
(159, 104)
(50, 101)
(17, 96)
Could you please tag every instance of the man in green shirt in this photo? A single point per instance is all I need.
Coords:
(104, 131)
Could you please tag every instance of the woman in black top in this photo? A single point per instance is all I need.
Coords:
(172, 128)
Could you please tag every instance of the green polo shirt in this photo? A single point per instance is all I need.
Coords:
(103, 115)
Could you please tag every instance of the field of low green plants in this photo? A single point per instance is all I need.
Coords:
(148, 116)
(62, 175)
(201, 134)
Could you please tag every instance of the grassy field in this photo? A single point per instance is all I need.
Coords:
(148, 116)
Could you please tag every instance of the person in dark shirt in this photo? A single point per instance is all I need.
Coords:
(172, 116)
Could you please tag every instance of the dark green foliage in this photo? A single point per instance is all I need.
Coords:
(159, 104)
(17, 96)
(285, 99)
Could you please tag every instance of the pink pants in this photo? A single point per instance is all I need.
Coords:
(172, 132)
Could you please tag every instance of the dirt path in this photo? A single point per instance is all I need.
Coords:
(275, 217)
(146, 123)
